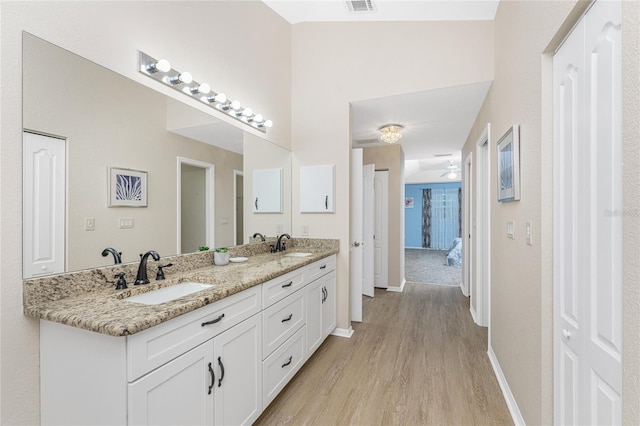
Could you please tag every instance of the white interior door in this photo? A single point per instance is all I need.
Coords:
(381, 229)
(368, 212)
(355, 234)
(587, 230)
(44, 195)
(482, 234)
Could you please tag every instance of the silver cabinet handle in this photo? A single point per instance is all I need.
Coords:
(566, 333)
(356, 243)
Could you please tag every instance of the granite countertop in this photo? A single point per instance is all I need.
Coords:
(103, 310)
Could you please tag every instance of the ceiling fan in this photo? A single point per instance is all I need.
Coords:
(451, 171)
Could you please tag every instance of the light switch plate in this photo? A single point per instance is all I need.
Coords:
(305, 230)
(89, 224)
(511, 226)
(126, 223)
(527, 233)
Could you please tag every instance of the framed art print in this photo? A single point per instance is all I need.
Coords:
(127, 188)
(509, 166)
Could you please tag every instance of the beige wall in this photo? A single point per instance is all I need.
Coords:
(521, 281)
(245, 51)
(391, 158)
(337, 63)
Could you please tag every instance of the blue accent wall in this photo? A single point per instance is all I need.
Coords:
(413, 217)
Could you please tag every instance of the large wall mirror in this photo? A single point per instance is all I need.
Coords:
(197, 168)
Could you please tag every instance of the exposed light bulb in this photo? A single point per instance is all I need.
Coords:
(220, 97)
(161, 65)
(235, 105)
(268, 123)
(184, 78)
(203, 88)
(247, 112)
(258, 118)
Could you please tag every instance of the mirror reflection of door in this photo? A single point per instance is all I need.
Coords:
(239, 199)
(193, 208)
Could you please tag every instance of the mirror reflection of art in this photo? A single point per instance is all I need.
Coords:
(127, 188)
(509, 166)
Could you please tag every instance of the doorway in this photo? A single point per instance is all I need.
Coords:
(480, 292)
(195, 224)
(381, 229)
(238, 196)
(467, 234)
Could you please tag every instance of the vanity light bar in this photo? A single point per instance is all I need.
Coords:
(160, 70)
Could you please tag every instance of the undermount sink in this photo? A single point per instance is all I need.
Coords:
(168, 294)
(298, 254)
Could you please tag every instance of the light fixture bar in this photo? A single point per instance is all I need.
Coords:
(160, 70)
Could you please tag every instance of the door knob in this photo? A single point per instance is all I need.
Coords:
(566, 333)
(356, 243)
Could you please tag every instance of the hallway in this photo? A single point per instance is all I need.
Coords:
(417, 359)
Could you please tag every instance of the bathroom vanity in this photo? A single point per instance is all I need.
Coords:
(217, 356)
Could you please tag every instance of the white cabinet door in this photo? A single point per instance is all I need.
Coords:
(267, 191)
(238, 365)
(44, 205)
(178, 393)
(317, 187)
(328, 304)
(315, 295)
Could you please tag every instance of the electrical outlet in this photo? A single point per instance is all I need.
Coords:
(279, 228)
(511, 226)
(89, 224)
(305, 230)
(527, 233)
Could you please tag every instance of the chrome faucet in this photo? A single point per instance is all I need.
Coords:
(257, 234)
(141, 278)
(280, 245)
(116, 255)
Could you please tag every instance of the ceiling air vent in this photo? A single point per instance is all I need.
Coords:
(361, 6)
(443, 155)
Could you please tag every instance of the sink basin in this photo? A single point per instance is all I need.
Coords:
(298, 254)
(168, 294)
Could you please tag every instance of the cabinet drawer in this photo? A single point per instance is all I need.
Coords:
(278, 288)
(157, 345)
(281, 366)
(281, 320)
(317, 269)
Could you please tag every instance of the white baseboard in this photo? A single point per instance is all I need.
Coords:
(343, 332)
(473, 314)
(398, 289)
(516, 416)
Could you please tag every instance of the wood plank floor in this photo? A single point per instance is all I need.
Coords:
(416, 359)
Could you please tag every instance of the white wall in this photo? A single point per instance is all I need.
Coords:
(337, 63)
(242, 48)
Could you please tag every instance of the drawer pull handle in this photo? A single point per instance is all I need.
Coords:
(324, 294)
(288, 318)
(213, 321)
(213, 378)
(288, 362)
(289, 284)
(323, 267)
(221, 371)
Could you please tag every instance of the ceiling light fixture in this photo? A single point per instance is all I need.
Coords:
(391, 133)
(452, 175)
(160, 70)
